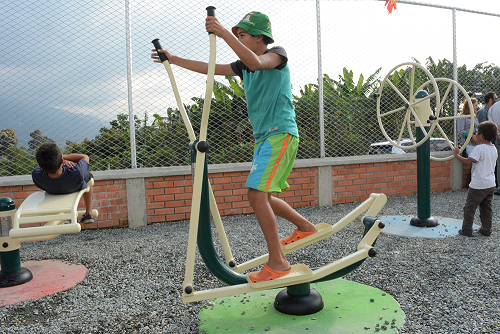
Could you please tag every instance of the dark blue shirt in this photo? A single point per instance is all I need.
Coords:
(70, 181)
(482, 114)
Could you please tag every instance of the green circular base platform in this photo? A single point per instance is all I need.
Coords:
(350, 307)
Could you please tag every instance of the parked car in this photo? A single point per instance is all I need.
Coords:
(385, 147)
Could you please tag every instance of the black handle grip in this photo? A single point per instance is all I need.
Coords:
(156, 43)
(210, 12)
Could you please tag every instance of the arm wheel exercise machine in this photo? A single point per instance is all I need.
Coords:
(421, 112)
(415, 117)
(298, 298)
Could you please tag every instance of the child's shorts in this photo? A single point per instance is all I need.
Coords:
(88, 177)
(273, 161)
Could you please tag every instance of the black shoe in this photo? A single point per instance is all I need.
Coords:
(497, 191)
(486, 234)
(461, 232)
(87, 219)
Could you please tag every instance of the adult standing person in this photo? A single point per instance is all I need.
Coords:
(463, 125)
(494, 116)
(489, 99)
(482, 116)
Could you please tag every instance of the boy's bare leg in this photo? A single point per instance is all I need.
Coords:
(87, 199)
(284, 210)
(263, 211)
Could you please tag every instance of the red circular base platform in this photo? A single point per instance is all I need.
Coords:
(49, 277)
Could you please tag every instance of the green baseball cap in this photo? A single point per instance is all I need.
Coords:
(255, 23)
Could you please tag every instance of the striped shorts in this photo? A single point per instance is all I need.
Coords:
(272, 162)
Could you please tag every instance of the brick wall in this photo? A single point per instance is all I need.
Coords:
(354, 183)
(466, 175)
(168, 198)
(110, 199)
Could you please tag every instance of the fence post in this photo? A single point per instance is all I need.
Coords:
(320, 84)
(455, 74)
(133, 158)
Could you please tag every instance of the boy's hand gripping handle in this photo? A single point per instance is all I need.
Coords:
(211, 12)
(156, 43)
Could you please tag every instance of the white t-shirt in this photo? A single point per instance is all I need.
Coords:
(484, 158)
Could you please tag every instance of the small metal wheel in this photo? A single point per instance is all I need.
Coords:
(444, 122)
(397, 104)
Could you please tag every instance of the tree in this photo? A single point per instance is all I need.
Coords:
(7, 139)
(20, 162)
(349, 119)
(37, 140)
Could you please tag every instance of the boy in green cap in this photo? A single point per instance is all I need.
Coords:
(268, 89)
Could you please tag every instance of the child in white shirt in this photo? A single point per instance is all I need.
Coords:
(482, 184)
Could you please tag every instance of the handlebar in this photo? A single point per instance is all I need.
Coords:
(156, 43)
(210, 12)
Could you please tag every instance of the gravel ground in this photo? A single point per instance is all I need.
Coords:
(449, 285)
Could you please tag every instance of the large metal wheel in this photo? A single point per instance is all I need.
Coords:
(396, 104)
(444, 122)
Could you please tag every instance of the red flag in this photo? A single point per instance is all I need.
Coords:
(390, 4)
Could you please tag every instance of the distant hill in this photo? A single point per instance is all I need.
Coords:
(59, 125)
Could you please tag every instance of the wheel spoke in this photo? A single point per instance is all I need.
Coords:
(392, 112)
(410, 123)
(445, 136)
(453, 117)
(397, 91)
(412, 82)
(445, 96)
(402, 129)
(417, 121)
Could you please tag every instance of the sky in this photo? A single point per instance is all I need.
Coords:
(71, 55)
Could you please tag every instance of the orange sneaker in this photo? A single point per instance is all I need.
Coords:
(267, 274)
(296, 235)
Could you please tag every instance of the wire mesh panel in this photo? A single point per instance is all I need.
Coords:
(60, 68)
(363, 44)
(64, 76)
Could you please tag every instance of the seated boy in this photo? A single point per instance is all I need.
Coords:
(59, 174)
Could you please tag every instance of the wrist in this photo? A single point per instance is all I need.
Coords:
(172, 60)
(227, 34)
(229, 37)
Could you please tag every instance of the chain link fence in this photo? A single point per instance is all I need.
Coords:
(73, 72)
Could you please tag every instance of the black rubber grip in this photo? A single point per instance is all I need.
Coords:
(210, 12)
(156, 43)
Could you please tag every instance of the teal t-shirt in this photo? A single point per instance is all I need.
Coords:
(269, 98)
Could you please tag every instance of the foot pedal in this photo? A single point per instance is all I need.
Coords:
(300, 273)
(324, 230)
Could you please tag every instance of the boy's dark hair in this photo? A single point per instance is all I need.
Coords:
(266, 39)
(488, 96)
(49, 157)
(488, 129)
